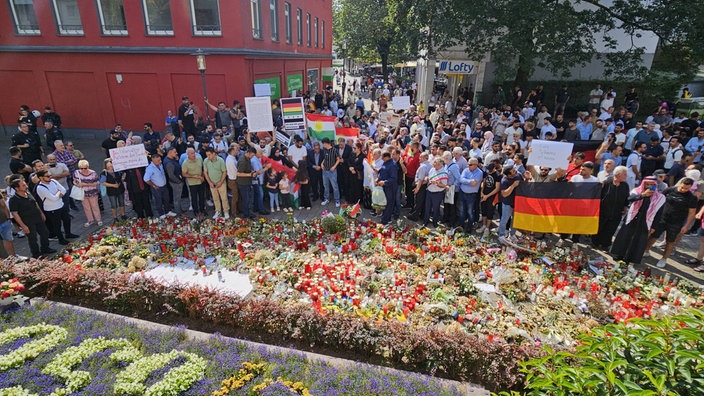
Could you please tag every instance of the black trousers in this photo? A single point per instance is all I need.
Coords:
(304, 196)
(141, 203)
(410, 197)
(197, 198)
(607, 229)
(55, 219)
(419, 202)
(316, 184)
(37, 228)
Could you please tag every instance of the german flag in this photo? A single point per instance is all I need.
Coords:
(588, 147)
(569, 208)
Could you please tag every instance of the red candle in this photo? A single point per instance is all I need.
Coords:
(134, 231)
(163, 248)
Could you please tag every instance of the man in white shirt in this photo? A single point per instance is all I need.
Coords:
(547, 127)
(595, 97)
(631, 135)
(607, 102)
(51, 195)
(633, 164)
(585, 174)
(510, 131)
(231, 169)
(297, 152)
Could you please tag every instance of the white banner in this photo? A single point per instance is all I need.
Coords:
(129, 157)
(259, 116)
(401, 102)
(550, 154)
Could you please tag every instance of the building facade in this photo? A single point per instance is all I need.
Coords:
(102, 62)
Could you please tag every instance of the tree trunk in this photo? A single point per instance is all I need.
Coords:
(385, 66)
(521, 75)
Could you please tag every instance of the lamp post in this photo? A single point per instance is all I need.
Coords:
(200, 62)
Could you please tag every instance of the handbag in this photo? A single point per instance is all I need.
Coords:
(450, 196)
(77, 193)
(378, 196)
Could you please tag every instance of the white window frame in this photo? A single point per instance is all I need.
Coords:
(256, 10)
(274, 19)
(309, 39)
(287, 17)
(317, 32)
(194, 25)
(103, 26)
(299, 25)
(148, 26)
(20, 28)
(60, 26)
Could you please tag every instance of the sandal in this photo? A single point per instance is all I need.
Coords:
(693, 261)
(699, 269)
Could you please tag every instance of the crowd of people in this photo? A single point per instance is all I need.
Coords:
(453, 164)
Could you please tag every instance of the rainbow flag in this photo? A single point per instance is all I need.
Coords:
(320, 126)
(347, 133)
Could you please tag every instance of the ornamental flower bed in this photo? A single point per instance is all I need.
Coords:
(53, 350)
(436, 303)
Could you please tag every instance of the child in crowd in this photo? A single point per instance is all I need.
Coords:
(303, 179)
(271, 182)
(285, 188)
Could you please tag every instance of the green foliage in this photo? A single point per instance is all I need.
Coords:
(333, 224)
(644, 357)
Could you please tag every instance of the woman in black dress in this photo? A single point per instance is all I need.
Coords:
(632, 238)
(355, 163)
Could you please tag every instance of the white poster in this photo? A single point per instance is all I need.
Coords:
(389, 119)
(259, 116)
(401, 102)
(262, 89)
(129, 157)
(550, 154)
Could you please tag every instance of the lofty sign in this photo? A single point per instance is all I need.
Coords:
(457, 67)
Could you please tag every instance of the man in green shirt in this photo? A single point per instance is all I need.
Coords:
(192, 171)
(215, 173)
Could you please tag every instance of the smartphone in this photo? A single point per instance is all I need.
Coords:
(652, 188)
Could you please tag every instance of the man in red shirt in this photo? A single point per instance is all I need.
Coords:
(412, 161)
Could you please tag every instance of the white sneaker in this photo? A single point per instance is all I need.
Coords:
(646, 253)
(171, 214)
(660, 244)
(190, 208)
(337, 204)
(481, 229)
(227, 216)
(209, 202)
(162, 217)
(661, 263)
(485, 233)
(216, 215)
(325, 202)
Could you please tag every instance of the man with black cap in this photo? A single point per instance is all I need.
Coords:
(111, 142)
(186, 117)
(507, 196)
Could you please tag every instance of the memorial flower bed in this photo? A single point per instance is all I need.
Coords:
(54, 350)
(412, 298)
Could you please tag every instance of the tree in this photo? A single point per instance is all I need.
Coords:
(368, 30)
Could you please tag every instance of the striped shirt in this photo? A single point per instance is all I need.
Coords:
(330, 157)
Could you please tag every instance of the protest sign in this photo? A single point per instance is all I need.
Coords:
(389, 119)
(262, 89)
(401, 102)
(550, 154)
(283, 139)
(129, 157)
(292, 112)
(259, 117)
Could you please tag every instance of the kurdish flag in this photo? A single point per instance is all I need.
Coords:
(569, 208)
(347, 133)
(320, 126)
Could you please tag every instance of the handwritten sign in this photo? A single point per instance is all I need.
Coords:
(129, 157)
(389, 119)
(401, 102)
(550, 154)
(259, 116)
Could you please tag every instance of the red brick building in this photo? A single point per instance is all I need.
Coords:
(99, 62)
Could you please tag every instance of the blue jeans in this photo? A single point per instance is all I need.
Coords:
(467, 201)
(397, 208)
(246, 199)
(330, 179)
(160, 196)
(274, 200)
(432, 205)
(391, 204)
(506, 213)
(258, 198)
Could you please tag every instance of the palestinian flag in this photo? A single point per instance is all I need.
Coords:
(569, 208)
(347, 133)
(320, 126)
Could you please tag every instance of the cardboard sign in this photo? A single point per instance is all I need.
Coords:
(389, 119)
(259, 116)
(129, 157)
(550, 154)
